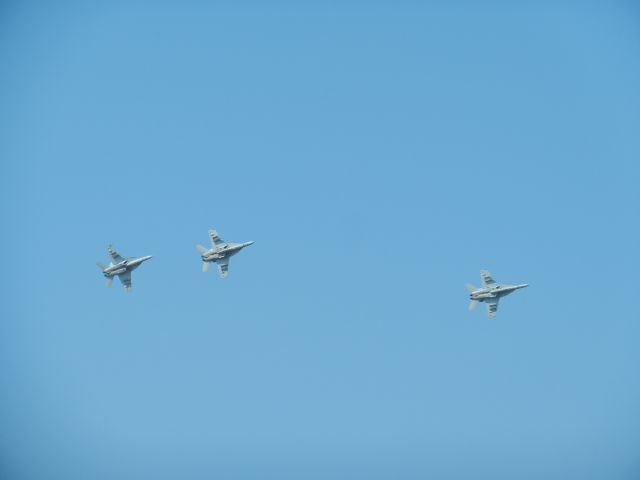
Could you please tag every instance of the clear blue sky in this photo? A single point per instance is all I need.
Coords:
(379, 154)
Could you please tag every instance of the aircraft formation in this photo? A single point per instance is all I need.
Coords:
(221, 252)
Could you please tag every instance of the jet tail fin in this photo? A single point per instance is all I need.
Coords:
(201, 249)
(470, 288)
(473, 304)
(101, 266)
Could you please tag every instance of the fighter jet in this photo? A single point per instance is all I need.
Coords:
(220, 252)
(490, 292)
(120, 266)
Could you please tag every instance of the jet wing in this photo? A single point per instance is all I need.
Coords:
(492, 307)
(486, 277)
(125, 279)
(215, 238)
(115, 256)
(223, 267)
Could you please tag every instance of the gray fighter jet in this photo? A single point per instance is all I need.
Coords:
(120, 266)
(490, 292)
(220, 252)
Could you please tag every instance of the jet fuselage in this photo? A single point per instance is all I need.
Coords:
(496, 290)
(128, 264)
(223, 251)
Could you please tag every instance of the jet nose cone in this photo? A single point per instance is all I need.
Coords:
(250, 242)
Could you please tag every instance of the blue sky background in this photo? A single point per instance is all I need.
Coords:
(380, 154)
